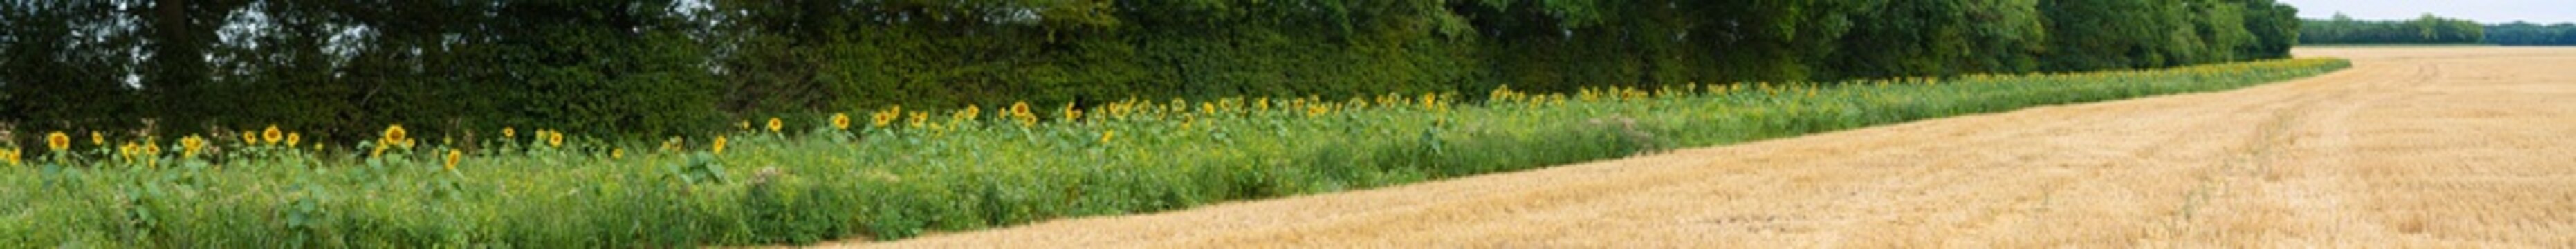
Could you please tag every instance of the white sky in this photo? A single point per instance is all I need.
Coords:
(2484, 11)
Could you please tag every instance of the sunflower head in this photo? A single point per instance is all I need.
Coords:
(840, 121)
(554, 138)
(272, 134)
(718, 147)
(293, 137)
(918, 118)
(96, 139)
(1105, 136)
(150, 148)
(58, 141)
(509, 132)
(1071, 114)
(191, 145)
(10, 155)
(886, 117)
(395, 134)
(775, 125)
(129, 150)
(453, 156)
(970, 113)
(619, 153)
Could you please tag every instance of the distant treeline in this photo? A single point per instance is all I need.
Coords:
(2529, 34)
(665, 67)
(2428, 29)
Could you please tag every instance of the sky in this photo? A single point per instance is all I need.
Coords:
(2484, 11)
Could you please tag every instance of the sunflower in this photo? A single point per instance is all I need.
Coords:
(150, 148)
(509, 132)
(554, 138)
(1106, 135)
(1020, 111)
(1430, 101)
(672, 145)
(395, 134)
(887, 117)
(96, 139)
(774, 125)
(745, 124)
(11, 155)
(129, 150)
(918, 118)
(840, 121)
(719, 145)
(1071, 114)
(453, 156)
(272, 134)
(191, 145)
(58, 141)
(293, 137)
(619, 153)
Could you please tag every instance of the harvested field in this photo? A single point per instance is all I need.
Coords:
(2413, 147)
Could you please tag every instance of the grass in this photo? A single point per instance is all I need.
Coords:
(964, 170)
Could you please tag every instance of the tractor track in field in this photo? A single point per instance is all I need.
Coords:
(2412, 147)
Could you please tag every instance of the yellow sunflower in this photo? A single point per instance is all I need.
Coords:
(1071, 114)
(719, 145)
(840, 121)
(453, 156)
(554, 138)
(970, 113)
(509, 132)
(128, 150)
(886, 117)
(395, 134)
(11, 155)
(619, 153)
(293, 137)
(775, 125)
(58, 141)
(191, 145)
(272, 135)
(96, 139)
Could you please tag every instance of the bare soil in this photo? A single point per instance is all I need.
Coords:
(2413, 147)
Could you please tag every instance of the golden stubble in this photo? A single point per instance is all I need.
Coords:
(2413, 147)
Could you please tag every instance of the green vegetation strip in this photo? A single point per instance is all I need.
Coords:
(816, 182)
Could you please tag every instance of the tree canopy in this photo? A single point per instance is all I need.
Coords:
(2529, 34)
(665, 67)
(2428, 29)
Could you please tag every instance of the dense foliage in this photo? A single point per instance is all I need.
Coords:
(2529, 34)
(670, 67)
(896, 173)
(2428, 29)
